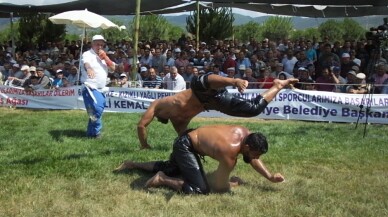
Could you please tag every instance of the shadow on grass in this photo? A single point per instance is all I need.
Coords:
(28, 161)
(58, 134)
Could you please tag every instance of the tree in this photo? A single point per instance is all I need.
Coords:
(246, 31)
(153, 26)
(308, 34)
(352, 30)
(277, 27)
(332, 29)
(114, 34)
(37, 28)
(214, 23)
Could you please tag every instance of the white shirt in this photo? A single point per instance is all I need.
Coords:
(177, 84)
(289, 64)
(99, 67)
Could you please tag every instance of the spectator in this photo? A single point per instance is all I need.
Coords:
(326, 81)
(174, 81)
(19, 82)
(289, 62)
(358, 87)
(143, 72)
(134, 79)
(152, 81)
(158, 61)
(266, 80)
(242, 62)
(379, 77)
(252, 82)
(305, 63)
(123, 81)
(146, 59)
(305, 81)
(73, 77)
(346, 64)
(310, 52)
(182, 60)
(42, 81)
(58, 81)
(217, 71)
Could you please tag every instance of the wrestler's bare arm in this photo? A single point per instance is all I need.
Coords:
(217, 81)
(258, 165)
(145, 120)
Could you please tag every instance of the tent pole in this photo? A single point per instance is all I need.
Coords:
(12, 36)
(80, 56)
(135, 41)
(197, 26)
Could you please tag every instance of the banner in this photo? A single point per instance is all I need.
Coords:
(288, 104)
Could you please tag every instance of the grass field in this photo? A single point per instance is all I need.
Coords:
(48, 168)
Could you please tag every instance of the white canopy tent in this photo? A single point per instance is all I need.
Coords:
(304, 8)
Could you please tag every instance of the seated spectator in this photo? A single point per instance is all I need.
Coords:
(358, 87)
(249, 77)
(33, 82)
(385, 87)
(143, 72)
(57, 83)
(305, 81)
(73, 76)
(326, 81)
(379, 77)
(134, 79)
(19, 82)
(266, 80)
(42, 82)
(66, 83)
(174, 81)
(152, 81)
(284, 76)
(123, 81)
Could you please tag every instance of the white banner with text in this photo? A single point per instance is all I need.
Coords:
(288, 104)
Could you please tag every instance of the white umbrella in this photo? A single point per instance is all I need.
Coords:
(83, 19)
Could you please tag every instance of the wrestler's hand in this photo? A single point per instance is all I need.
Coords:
(277, 177)
(241, 85)
(102, 54)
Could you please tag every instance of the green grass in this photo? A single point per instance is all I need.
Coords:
(48, 168)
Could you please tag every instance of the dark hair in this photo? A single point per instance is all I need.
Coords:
(257, 142)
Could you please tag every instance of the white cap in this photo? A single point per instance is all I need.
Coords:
(25, 67)
(361, 76)
(16, 65)
(59, 71)
(177, 50)
(98, 37)
(206, 51)
(302, 69)
(123, 75)
(143, 69)
(230, 69)
(345, 55)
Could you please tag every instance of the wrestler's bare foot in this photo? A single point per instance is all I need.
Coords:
(126, 165)
(155, 180)
(280, 84)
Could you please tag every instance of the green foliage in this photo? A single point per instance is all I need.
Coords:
(214, 23)
(277, 27)
(308, 33)
(5, 34)
(332, 29)
(352, 30)
(114, 34)
(36, 28)
(153, 26)
(246, 31)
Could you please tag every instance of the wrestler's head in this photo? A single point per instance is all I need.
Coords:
(257, 145)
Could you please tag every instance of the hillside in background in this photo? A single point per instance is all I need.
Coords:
(299, 22)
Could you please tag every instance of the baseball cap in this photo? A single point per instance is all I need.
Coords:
(302, 69)
(32, 69)
(123, 75)
(361, 76)
(59, 71)
(143, 69)
(98, 37)
(345, 55)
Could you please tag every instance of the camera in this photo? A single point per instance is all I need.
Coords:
(379, 33)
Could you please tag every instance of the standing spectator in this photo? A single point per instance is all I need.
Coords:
(146, 59)
(174, 81)
(170, 61)
(289, 62)
(182, 60)
(311, 53)
(94, 76)
(158, 61)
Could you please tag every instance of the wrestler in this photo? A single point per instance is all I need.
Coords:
(207, 92)
(221, 142)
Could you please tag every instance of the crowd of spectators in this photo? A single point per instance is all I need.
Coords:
(346, 67)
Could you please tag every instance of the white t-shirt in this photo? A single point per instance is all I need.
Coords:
(99, 67)
(177, 84)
